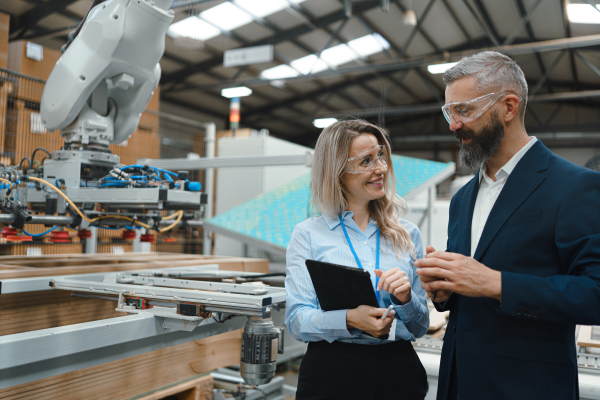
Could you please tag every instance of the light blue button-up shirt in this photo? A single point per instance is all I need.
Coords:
(322, 238)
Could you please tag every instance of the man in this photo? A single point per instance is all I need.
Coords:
(522, 265)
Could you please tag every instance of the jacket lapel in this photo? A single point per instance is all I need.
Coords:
(524, 179)
(466, 215)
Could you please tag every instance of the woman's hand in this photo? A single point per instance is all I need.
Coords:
(366, 319)
(395, 282)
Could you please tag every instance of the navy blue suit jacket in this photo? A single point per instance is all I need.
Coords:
(543, 234)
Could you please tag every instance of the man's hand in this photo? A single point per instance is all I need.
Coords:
(460, 274)
(395, 282)
(365, 319)
(440, 294)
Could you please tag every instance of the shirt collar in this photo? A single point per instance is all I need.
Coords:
(507, 168)
(333, 222)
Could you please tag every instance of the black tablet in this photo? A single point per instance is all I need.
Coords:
(339, 287)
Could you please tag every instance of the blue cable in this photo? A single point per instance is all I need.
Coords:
(164, 171)
(107, 227)
(40, 234)
(132, 166)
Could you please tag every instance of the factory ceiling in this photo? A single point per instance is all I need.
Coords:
(368, 58)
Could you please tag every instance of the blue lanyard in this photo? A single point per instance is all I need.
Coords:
(356, 256)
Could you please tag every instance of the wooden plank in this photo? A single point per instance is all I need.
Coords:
(24, 312)
(437, 319)
(231, 263)
(196, 389)
(128, 377)
(584, 338)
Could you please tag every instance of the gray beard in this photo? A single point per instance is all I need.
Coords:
(483, 144)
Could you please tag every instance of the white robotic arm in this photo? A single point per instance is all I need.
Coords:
(106, 77)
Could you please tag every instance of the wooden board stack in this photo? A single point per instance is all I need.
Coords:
(121, 379)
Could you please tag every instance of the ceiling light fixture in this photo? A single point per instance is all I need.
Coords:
(241, 91)
(409, 18)
(324, 122)
(440, 68)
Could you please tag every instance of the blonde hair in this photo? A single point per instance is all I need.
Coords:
(329, 197)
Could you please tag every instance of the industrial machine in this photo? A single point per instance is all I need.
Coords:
(95, 95)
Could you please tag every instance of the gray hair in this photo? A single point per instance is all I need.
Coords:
(330, 197)
(494, 72)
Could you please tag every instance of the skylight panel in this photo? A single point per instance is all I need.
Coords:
(279, 72)
(338, 55)
(193, 27)
(368, 45)
(331, 57)
(226, 16)
(262, 8)
(583, 13)
(307, 64)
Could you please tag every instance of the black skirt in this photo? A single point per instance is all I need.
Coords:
(354, 371)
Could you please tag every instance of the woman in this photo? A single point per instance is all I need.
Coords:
(353, 189)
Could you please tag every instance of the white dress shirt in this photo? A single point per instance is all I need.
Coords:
(489, 192)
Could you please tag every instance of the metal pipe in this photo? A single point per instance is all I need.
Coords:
(210, 144)
(449, 138)
(211, 162)
(436, 107)
(39, 219)
(66, 220)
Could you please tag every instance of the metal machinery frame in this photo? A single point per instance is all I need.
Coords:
(429, 350)
(162, 308)
(210, 162)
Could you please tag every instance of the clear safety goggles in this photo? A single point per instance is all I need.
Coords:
(467, 111)
(367, 160)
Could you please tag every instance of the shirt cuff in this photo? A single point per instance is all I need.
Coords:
(405, 312)
(335, 322)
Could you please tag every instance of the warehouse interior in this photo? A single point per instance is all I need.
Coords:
(199, 178)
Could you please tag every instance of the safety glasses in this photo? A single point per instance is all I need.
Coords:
(467, 111)
(367, 160)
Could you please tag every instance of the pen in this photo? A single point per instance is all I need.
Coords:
(387, 312)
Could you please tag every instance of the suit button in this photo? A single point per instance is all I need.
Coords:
(453, 329)
(536, 314)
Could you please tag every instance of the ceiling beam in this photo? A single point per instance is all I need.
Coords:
(431, 108)
(21, 24)
(417, 62)
(458, 22)
(282, 37)
(529, 29)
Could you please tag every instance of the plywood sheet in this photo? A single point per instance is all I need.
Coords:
(105, 263)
